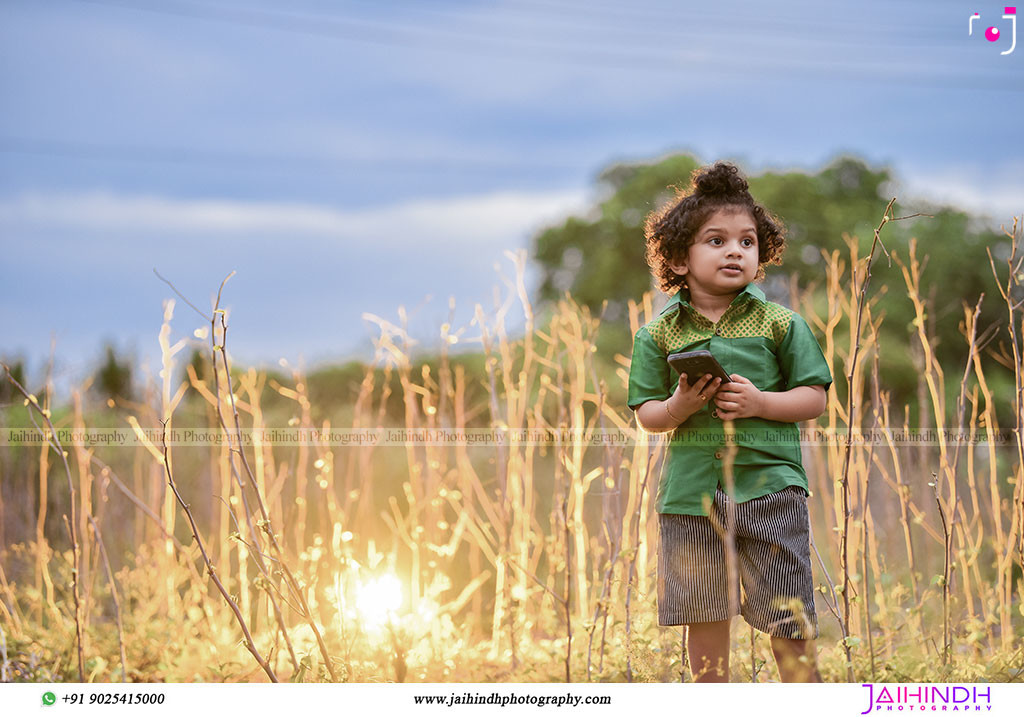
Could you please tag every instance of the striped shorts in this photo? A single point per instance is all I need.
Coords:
(773, 563)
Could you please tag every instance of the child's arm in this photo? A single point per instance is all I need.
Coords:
(742, 399)
(662, 416)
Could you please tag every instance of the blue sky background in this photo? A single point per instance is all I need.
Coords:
(354, 156)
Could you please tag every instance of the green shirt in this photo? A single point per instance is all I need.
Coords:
(762, 341)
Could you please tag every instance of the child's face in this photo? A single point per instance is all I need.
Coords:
(723, 256)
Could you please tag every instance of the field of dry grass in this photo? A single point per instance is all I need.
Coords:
(515, 560)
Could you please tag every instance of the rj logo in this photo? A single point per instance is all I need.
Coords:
(992, 34)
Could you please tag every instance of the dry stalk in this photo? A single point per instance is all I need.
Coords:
(500, 507)
(902, 491)
(210, 568)
(107, 473)
(51, 440)
(949, 465)
(753, 656)
(255, 552)
(1010, 291)
(635, 552)
(264, 524)
(113, 595)
(945, 572)
(850, 413)
(1002, 541)
(9, 605)
(611, 512)
(567, 604)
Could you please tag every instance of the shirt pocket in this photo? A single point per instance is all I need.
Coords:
(756, 361)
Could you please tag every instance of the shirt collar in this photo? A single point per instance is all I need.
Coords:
(682, 297)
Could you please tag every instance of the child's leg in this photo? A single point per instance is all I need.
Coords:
(707, 644)
(775, 566)
(796, 660)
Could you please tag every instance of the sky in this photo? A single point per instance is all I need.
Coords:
(348, 158)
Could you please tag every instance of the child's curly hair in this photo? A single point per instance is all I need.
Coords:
(669, 231)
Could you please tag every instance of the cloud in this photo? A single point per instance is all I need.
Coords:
(487, 218)
(994, 191)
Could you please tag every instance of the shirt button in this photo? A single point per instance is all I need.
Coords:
(718, 455)
(714, 414)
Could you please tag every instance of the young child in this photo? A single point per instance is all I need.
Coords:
(708, 247)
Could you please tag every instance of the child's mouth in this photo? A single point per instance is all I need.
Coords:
(732, 270)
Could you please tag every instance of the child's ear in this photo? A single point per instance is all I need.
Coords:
(679, 266)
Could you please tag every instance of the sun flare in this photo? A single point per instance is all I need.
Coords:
(379, 599)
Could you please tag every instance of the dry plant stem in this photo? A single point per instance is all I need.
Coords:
(10, 608)
(614, 543)
(945, 573)
(632, 571)
(902, 491)
(108, 473)
(850, 407)
(753, 657)
(1013, 282)
(961, 402)
(601, 609)
(42, 574)
(875, 399)
(833, 606)
(278, 614)
(971, 321)
(864, 571)
(51, 439)
(254, 550)
(934, 378)
(210, 569)
(568, 586)
(145, 509)
(1015, 264)
(113, 595)
(43, 578)
(258, 559)
(265, 523)
(44, 583)
(6, 673)
(563, 602)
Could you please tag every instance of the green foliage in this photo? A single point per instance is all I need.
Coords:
(8, 393)
(603, 257)
(113, 379)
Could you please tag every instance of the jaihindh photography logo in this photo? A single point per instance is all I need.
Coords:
(993, 33)
(927, 698)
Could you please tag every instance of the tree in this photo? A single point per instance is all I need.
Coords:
(8, 393)
(113, 379)
(603, 258)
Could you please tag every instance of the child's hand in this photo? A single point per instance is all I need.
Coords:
(739, 399)
(687, 399)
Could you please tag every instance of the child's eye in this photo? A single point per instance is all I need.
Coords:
(748, 242)
(715, 240)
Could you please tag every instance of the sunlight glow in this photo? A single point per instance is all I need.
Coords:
(378, 599)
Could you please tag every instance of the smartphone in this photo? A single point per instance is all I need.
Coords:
(697, 363)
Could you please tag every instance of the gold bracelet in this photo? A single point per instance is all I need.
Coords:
(669, 412)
